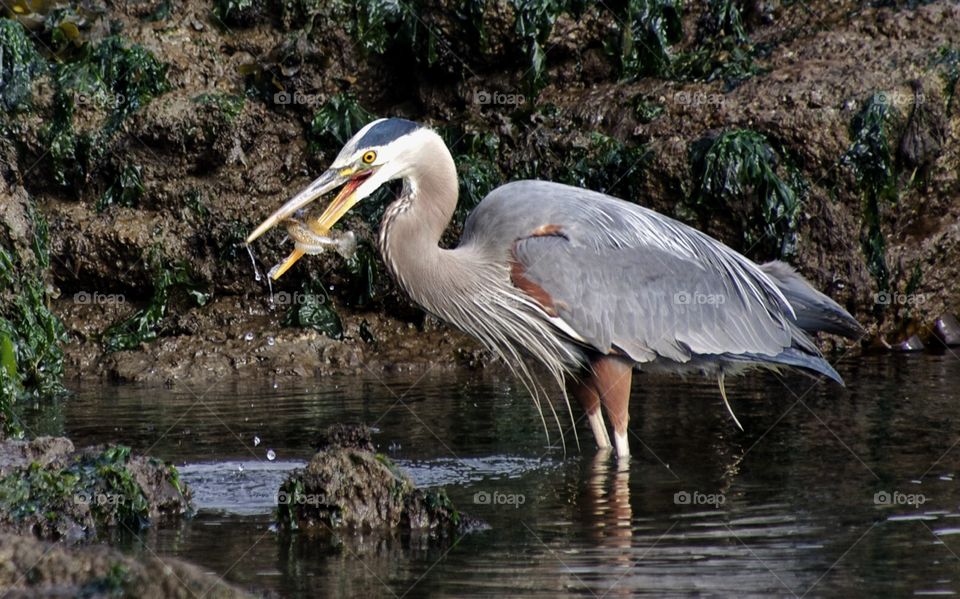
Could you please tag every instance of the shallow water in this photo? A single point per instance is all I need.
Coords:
(830, 491)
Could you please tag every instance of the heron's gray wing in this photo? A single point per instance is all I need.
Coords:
(625, 278)
(814, 310)
(648, 303)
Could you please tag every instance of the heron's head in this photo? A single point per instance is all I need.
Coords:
(382, 151)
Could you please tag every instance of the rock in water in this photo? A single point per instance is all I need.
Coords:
(947, 330)
(52, 491)
(911, 344)
(346, 487)
(33, 568)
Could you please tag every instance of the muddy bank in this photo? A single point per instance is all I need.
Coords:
(33, 568)
(147, 202)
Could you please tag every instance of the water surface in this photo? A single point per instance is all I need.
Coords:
(829, 491)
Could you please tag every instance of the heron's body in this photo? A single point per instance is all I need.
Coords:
(589, 285)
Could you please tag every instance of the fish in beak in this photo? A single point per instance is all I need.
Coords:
(341, 204)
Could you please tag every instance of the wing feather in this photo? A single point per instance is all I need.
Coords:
(628, 279)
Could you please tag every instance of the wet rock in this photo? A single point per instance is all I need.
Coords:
(33, 568)
(947, 330)
(348, 488)
(52, 491)
(44, 451)
(910, 344)
(925, 134)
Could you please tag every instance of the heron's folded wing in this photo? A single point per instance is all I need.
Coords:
(648, 302)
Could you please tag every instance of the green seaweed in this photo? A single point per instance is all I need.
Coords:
(112, 584)
(739, 173)
(102, 481)
(947, 60)
(475, 154)
(336, 121)
(288, 511)
(723, 51)
(34, 331)
(438, 502)
(36, 489)
(195, 202)
(110, 76)
(145, 325)
(607, 165)
(645, 110)
(364, 274)
(648, 28)
(533, 24)
(31, 360)
(375, 23)
(19, 65)
(366, 335)
(106, 475)
(229, 105)
(240, 13)
(871, 159)
(126, 190)
(316, 312)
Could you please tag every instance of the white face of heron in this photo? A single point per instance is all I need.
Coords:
(386, 162)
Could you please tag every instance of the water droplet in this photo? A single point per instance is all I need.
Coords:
(248, 337)
(253, 261)
(271, 455)
(271, 341)
(256, 441)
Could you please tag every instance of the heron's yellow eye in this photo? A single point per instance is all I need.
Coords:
(369, 157)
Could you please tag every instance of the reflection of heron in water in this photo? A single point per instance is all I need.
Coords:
(588, 285)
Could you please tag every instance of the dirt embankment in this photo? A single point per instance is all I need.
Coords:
(178, 184)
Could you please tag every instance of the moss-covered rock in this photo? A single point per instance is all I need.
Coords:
(347, 488)
(31, 359)
(54, 492)
(21, 63)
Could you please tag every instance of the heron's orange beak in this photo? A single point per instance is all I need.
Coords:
(340, 205)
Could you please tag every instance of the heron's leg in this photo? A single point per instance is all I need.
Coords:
(590, 400)
(612, 377)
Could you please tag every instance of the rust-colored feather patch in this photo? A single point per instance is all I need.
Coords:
(538, 293)
(518, 272)
(544, 230)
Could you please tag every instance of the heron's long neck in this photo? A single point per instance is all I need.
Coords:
(413, 224)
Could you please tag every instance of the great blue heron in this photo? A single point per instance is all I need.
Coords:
(588, 285)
